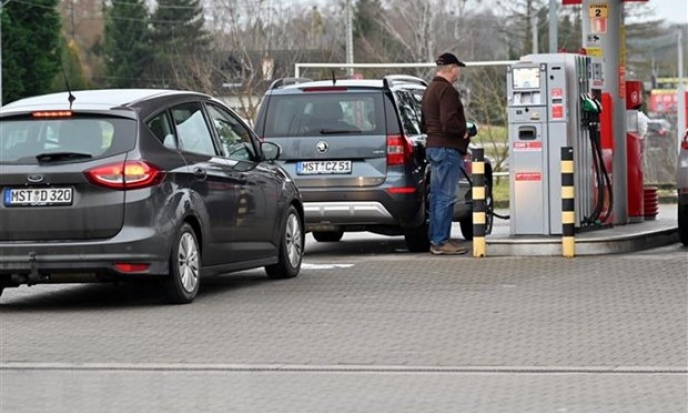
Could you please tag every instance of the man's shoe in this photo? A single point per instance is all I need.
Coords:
(448, 248)
(456, 243)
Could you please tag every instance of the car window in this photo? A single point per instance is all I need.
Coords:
(192, 129)
(318, 113)
(417, 100)
(236, 139)
(407, 110)
(161, 127)
(22, 139)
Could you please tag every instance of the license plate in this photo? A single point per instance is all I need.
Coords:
(323, 167)
(37, 196)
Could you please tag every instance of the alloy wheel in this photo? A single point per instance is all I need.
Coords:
(188, 261)
(293, 239)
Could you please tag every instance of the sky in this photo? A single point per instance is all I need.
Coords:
(675, 11)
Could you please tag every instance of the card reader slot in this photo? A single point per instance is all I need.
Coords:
(527, 133)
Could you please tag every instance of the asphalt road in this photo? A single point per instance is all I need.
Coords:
(366, 327)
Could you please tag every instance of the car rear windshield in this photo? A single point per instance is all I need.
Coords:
(324, 113)
(27, 140)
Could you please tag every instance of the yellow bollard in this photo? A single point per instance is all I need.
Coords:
(568, 216)
(478, 196)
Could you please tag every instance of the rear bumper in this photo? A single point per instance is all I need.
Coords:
(356, 208)
(343, 213)
(360, 206)
(53, 260)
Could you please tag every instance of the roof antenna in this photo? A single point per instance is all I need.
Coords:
(71, 97)
(334, 79)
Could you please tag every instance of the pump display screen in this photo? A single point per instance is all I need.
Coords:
(526, 78)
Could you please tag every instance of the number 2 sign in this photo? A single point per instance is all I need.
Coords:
(598, 11)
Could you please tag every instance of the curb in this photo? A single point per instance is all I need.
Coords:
(663, 199)
(612, 244)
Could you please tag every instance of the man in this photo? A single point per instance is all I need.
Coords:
(444, 122)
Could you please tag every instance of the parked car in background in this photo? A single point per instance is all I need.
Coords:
(140, 185)
(355, 149)
(682, 185)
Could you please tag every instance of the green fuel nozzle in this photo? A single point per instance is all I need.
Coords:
(590, 104)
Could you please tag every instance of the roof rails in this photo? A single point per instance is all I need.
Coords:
(286, 81)
(391, 79)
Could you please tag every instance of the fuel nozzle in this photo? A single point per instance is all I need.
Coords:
(591, 108)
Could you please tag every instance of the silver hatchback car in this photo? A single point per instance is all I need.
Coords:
(682, 185)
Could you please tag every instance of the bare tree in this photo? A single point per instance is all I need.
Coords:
(412, 24)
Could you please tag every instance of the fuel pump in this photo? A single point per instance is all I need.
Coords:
(591, 108)
(549, 107)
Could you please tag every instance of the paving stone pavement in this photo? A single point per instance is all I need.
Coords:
(115, 392)
(534, 334)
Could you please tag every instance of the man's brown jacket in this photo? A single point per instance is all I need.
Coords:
(443, 118)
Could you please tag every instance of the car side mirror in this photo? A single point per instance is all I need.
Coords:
(471, 128)
(271, 151)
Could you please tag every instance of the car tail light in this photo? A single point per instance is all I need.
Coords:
(325, 89)
(131, 268)
(126, 175)
(52, 114)
(399, 150)
(684, 142)
(402, 190)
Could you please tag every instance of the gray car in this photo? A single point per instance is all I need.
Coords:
(682, 185)
(356, 151)
(154, 185)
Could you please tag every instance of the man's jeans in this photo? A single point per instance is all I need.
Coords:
(445, 167)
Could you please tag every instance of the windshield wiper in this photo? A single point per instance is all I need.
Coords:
(337, 131)
(62, 156)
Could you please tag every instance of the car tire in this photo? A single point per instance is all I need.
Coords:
(333, 236)
(467, 228)
(417, 239)
(183, 282)
(291, 248)
(683, 224)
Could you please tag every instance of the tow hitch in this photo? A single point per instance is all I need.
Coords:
(33, 277)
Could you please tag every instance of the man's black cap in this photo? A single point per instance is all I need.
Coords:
(449, 59)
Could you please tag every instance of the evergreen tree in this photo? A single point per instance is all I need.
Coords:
(367, 19)
(30, 47)
(569, 33)
(125, 48)
(372, 40)
(73, 68)
(178, 39)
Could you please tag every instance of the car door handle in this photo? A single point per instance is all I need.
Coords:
(200, 173)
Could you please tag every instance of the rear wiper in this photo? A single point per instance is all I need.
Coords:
(336, 131)
(62, 156)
